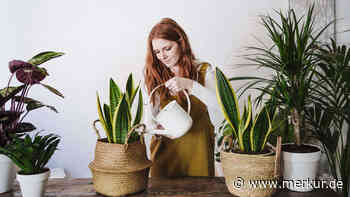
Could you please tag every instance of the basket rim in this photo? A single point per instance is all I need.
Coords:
(93, 166)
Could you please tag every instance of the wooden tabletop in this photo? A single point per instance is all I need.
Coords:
(179, 187)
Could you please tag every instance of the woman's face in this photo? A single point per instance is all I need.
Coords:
(168, 52)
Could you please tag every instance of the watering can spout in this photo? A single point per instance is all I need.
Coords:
(162, 132)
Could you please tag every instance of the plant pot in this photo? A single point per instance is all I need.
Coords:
(7, 174)
(117, 170)
(299, 169)
(242, 169)
(33, 185)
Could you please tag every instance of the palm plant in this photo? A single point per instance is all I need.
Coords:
(329, 114)
(250, 133)
(292, 61)
(14, 101)
(31, 154)
(116, 118)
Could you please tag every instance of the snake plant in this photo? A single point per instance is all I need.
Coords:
(31, 154)
(250, 133)
(116, 118)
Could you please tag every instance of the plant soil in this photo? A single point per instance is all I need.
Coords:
(251, 153)
(293, 148)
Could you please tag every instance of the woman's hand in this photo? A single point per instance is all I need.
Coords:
(177, 84)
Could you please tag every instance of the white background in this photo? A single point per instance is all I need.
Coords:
(104, 39)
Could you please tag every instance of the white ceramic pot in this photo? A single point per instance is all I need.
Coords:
(33, 185)
(7, 174)
(300, 169)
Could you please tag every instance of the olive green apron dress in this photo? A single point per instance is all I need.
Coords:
(191, 154)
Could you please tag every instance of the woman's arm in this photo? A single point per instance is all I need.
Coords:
(148, 110)
(207, 94)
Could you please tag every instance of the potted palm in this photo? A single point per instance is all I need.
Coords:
(120, 166)
(329, 113)
(246, 158)
(15, 106)
(292, 61)
(31, 155)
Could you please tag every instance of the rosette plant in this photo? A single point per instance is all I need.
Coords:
(14, 101)
(31, 154)
(245, 133)
(116, 118)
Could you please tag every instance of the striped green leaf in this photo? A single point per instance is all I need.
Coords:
(139, 111)
(44, 57)
(114, 95)
(121, 121)
(101, 118)
(227, 100)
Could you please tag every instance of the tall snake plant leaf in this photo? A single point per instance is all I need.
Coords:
(121, 121)
(228, 101)
(139, 111)
(44, 57)
(130, 88)
(114, 96)
(134, 94)
(107, 112)
(102, 119)
(243, 133)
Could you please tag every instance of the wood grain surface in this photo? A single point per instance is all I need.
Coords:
(161, 187)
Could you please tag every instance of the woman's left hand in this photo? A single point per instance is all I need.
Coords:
(177, 84)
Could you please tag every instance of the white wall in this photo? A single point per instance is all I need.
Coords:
(343, 21)
(104, 39)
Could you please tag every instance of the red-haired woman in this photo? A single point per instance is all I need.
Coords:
(170, 61)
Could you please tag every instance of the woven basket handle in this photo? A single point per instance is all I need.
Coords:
(96, 130)
(141, 132)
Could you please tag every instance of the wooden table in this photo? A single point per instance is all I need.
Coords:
(179, 187)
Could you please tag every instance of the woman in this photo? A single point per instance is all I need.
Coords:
(170, 61)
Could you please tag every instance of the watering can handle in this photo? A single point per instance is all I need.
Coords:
(186, 94)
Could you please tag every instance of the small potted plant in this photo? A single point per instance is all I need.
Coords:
(120, 166)
(246, 157)
(292, 60)
(31, 156)
(15, 106)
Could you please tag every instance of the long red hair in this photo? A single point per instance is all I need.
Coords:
(155, 71)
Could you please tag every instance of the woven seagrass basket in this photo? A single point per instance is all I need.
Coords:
(120, 169)
(241, 169)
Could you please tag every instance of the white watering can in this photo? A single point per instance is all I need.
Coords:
(173, 118)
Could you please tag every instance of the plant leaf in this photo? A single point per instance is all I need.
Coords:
(53, 90)
(43, 57)
(121, 121)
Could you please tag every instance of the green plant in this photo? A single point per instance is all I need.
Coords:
(19, 104)
(31, 154)
(329, 114)
(292, 61)
(116, 118)
(250, 133)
